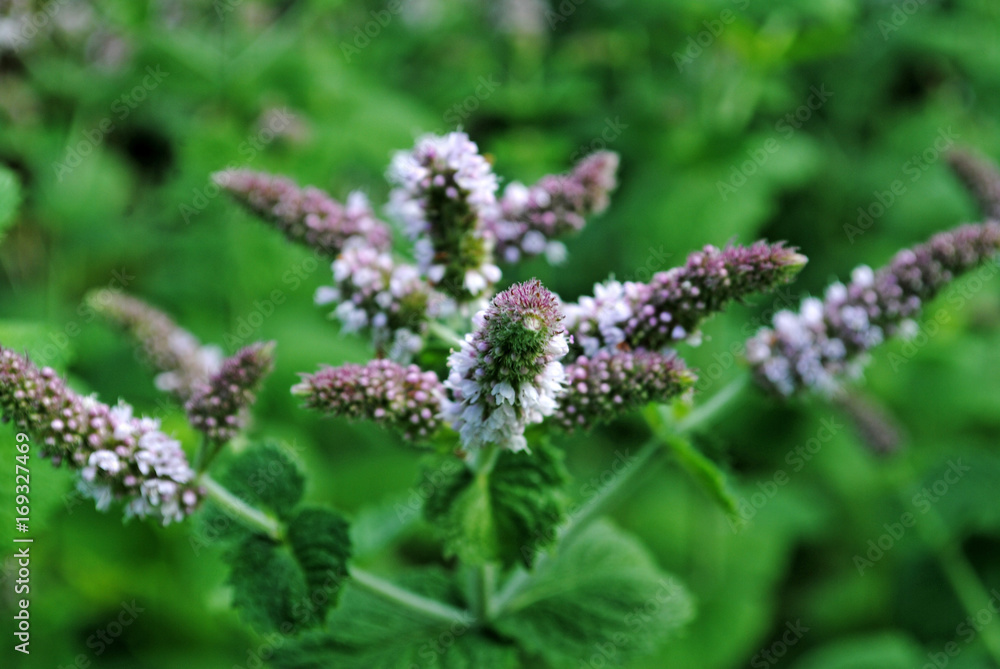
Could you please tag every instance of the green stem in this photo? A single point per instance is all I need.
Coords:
(430, 608)
(957, 569)
(445, 334)
(240, 509)
(273, 528)
(646, 460)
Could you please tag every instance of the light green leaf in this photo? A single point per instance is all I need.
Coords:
(503, 516)
(603, 596)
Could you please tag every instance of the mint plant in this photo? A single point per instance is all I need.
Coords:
(475, 379)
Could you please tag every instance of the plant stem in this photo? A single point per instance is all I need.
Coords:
(240, 509)
(445, 334)
(430, 608)
(270, 526)
(647, 459)
(961, 576)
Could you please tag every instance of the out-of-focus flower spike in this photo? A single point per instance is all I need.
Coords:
(385, 299)
(404, 398)
(673, 304)
(306, 215)
(445, 194)
(183, 361)
(218, 407)
(507, 373)
(531, 219)
(119, 456)
(612, 384)
(815, 348)
(981, 178)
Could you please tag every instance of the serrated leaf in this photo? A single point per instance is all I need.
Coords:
(10, 199)
(267, 583)
(604, 595)
(289, 586)
(321, 545)
(506, 515)
(368, 632)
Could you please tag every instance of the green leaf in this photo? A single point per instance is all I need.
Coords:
(10, 198)
(368, 632)
(603, 596)
(266, 475)
(321, 545)
(289, 586)
(268, 585)
(708, 474)
(505, 515)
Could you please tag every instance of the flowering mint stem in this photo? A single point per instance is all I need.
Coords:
(430, 608)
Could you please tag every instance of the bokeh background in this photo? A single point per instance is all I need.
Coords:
(114, 112)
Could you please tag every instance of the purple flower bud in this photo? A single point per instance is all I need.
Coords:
(813, 348)
(184, 363)
(609, 385)
(404, 398)
(980, 177)
(217, 407)
(120, 456)
(507, 373)
(445, 194)
(383, 298)
(307, 215)
(531, 219)
(672, 305)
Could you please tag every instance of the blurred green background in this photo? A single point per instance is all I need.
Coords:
(115, 113)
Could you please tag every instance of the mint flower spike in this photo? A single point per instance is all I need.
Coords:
(445, 194)
(218, 407)
(981, 178)
(812, 349)
(612, 384)
(307, 216)
(531, 219)
(119, 456)
(669, 308)
(404, 398)
(184, 363)
(379, 297)
(507, 374)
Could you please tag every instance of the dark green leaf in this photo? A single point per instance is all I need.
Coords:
(321, 545)
(506, 515)
(266, 475)
(267, 584)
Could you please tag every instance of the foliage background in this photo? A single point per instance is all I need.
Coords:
(557, 82)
